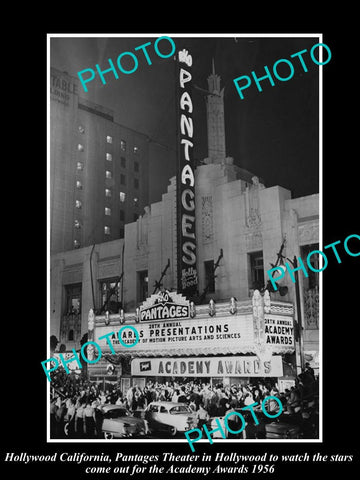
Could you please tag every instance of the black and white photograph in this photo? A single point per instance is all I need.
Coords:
(196, 295)
(176, 299)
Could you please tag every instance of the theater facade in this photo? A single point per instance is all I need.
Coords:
(190, 276)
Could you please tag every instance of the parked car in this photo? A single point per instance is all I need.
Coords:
(169, 417)
(118, 422)
(251, 429)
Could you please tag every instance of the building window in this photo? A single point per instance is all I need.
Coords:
(107, 211)
(77, 224)
(71, 335)
(136, 166)
(123, 145)
(107, 230)
(80, 147)
(136, 183)
(122, 197)
(122, 179)
(136, 150)
(136, 201)
(109, 157)
(81, 129)
(256, 270)
(107, 192)
(73, 300)
(109, 139)
(78, 185)
(143, 285)
(76, 244)
(312, 280)
(110, 295)
(122, 215)
(78, 204)
(123, 162)
(108, 174)
(209, 276)
(79, 166)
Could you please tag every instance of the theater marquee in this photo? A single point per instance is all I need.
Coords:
(237, 366)
(190, 336)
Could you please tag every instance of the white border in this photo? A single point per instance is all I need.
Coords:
(192, 35)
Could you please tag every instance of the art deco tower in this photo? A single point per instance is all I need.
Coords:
(215, 119)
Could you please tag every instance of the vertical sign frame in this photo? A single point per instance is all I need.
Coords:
(187, 277)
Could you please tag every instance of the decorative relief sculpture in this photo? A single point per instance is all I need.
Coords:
(252, 204)
(207, 218)
(311, 308)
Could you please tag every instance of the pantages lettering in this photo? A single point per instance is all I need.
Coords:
(163, 306)
(187, 276)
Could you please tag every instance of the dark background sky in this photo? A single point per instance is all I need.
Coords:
(273, 133)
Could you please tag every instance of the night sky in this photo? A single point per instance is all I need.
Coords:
(273, 133)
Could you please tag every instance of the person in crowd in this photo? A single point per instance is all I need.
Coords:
(53, 423)
(77, 402)
(182, 396)
(202, 416)
(70, 417)
(79, 419)
(59, 416)
(89, 417)
(233, 421)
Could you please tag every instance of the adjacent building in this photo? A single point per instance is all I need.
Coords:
(99, 178)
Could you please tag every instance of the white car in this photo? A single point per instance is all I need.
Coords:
(169, 417)
(118, 422)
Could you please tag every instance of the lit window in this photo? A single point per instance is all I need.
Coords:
(80, 147)
(77, 224)
(136, 200)
(123, 162)
(78, 185)
(136, 183)
(107, 192)
(107, 230)
(122, 179)
(79, 166)
(81, 129)
(109, 157)
(122, 197)
(122, 215)
(123, 145)
(78, 204)
(136, 166)
(107, 211)
(109, 139)
(136, 150)
(76, 244)
(108, 174)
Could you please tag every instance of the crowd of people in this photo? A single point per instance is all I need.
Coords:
(75, 404)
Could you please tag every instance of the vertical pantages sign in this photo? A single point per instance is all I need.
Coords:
(186, 235)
